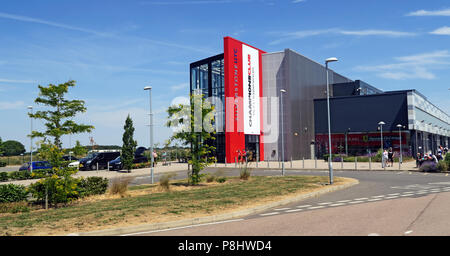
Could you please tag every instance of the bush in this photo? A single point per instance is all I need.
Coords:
(4, 176)
(221, 179)
(447, 158)
(119, 186)
(442, 166)
(92, 186)
(60, 189)
(2, 164)
(12, 193)
(164, 180)
(20, 175)
(428, 167)
(245, 172)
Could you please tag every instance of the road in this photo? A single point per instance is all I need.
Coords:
(383, 203)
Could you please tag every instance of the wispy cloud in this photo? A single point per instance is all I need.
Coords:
(180, 87)
(5, 105)
(443, 12)
(418, 66)
(3, 80)
(335, 31)
(445, 31)
(298, 1)
(186, 2)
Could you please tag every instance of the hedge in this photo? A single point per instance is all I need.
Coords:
(12, 193)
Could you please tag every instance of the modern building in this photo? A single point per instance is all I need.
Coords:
(245, 83)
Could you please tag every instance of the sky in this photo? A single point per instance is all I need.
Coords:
(113, 49)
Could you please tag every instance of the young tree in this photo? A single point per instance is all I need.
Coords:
(79, 150)
(129, 144)
(193, 127)
(59, 120)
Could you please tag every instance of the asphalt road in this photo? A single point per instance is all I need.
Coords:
(383, 203)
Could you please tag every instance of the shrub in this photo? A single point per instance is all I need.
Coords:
(210, 178)
(12, 193)
(92, 186)
(2, 164)
(60, 189)
(4, 176)
(245, 172)
(20, 175)
(428, 167)
(119, 186)
(221, 179)
(442, 166)
(447, 158)
(164, 180)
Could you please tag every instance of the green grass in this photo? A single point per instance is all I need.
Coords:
(201, 200)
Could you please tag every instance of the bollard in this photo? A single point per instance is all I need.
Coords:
(315, 162)
(279, 163)
(342, 163)
(225, 161)
(97, 166)
(291, 161)
(356, 163)
(267, 163)
(370, 163)
(303, 162)
(235, 162)
(108, 166)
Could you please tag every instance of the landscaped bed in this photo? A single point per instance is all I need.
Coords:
(153, 203)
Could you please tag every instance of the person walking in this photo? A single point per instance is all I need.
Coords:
(384, 158)
(391, 157)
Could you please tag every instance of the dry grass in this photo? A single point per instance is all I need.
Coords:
(119, 186)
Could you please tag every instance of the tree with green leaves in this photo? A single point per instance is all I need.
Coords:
(193, 127)
(59, 119)
(79, 150)
(129, 144)
(12, 148)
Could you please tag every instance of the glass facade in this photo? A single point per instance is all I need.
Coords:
(207, 78)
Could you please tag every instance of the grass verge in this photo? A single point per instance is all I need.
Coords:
(151, 204)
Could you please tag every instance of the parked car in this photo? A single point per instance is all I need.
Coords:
(100, 159)
(74, 164)
(117, 164)
(38, 165)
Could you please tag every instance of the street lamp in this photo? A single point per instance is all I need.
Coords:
(346, 141)
(282, 132)
(381, 123)
(400, 159)
(31, 140)
(330, 166)
(149, 88)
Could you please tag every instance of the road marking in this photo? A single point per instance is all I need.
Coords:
(337, 204)
(409, 192)
(344, 201)
(363, 198)
(295, 210)
(376, 199)
(282, 209)
(391, 197)
(190, 226)
(325, 203)
(395, 194)
(316, 207)
(356, 202)
(270, 213)
(303, 206)
(378, 196)
(408, 232)
(407, 195)
(373, 234)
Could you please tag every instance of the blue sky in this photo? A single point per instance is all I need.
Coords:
(114, 48)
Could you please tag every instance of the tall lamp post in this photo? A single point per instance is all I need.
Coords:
(31, 140)
(149, 88)
(330, 166)
(282, 132)
(400, 159)
(381, 123)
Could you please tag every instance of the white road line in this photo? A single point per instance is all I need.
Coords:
(190, 226)
(391, 197)
(378, 196)
(344, 201)
(407, 195)
(315, 207)
(270, 213)
(395, 194)
(282, 209)
(295, 210)
(356, 202)
(303, 206)
(375, 199)
(408, 232)
(363, 198)
(337, 204)
(408, 192)
(325, 203)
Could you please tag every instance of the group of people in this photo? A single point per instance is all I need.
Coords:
(388, 158)
(429, 157)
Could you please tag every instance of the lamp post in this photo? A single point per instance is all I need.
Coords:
(346, 141)
(400, 159)
(381, 123)
(330, 166)
(282, 132)
(31, 140)
(149, 88)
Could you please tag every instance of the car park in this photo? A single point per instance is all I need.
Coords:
(117, 164)
(97, 160)
(38, 165)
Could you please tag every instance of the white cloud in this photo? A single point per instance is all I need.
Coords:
(335, 31)
(178, 87)
(3, 80)
(4, 105)
(298, 1)
(441, 31)
(418, 66)
(443, 12)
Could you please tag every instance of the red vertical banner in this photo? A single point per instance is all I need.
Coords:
(234, 98)
(261, 137)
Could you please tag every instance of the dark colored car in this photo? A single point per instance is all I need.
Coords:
(116, 164)
(38, 165)
(99, 159)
